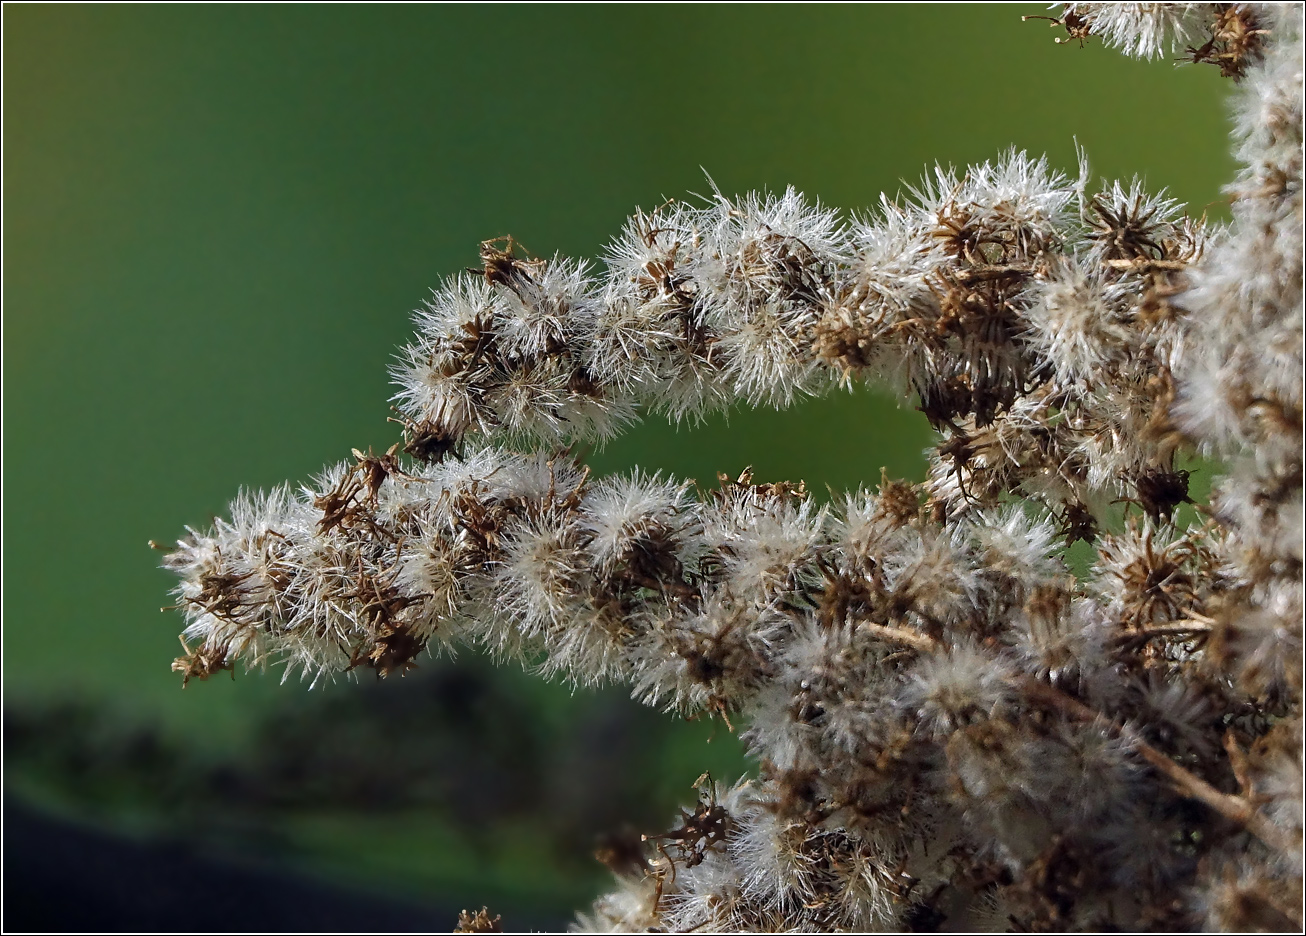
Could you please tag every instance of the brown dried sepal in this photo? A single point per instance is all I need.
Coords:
(1161, 491)
(700, 830)
(897, 501)
(201, 663)
(582, 383)
(392, 645)
(958, 449)
(828, 855)
(760, 493)
(1237, 41)
(355, 494)
(482, 520)
(802, 275)
(845, 598)
(221, 594)
(479, 922)
(426, 441)
(844, 339)
(1078, 27)
(338, 505)
(1126, 233)
(650, 562)
(661, 282)
(1163, 583)
(943, 399)
(373, 470)
(959, 236)
(975, 326)
(393, 649)
(659, 278)
(502, 267)
(1076, 523)
(976, 302)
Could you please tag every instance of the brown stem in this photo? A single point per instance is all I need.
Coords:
(1167, 630)
(1190, 628)
(1238, 761)
(901, 636)
(677, 589)
(1144, 263)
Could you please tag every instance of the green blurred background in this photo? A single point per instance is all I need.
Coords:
(217, 220)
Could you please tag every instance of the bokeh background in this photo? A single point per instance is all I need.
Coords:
(216, 222)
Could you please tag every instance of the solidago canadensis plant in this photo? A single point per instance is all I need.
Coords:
(953, 729)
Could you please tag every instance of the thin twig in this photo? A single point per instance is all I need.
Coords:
(1189, 629)
(901, 636)
(1145, 263)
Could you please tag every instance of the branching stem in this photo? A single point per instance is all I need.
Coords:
(1234, 808)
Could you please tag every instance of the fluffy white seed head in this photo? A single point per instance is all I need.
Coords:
(948, 689)
(1147, 30)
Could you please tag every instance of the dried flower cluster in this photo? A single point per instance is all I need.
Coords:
(953, 729)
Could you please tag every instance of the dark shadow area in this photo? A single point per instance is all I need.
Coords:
(461, 738)
(460, 755)
(63, 877)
